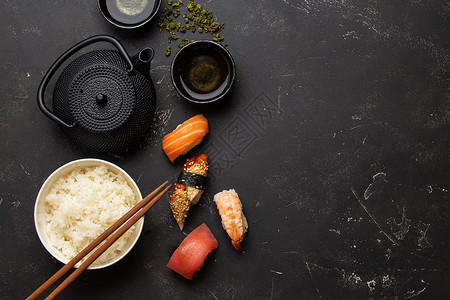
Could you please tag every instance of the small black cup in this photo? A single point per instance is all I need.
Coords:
(128, 13)
(203, 72)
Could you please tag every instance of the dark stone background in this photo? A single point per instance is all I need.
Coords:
(335, 135)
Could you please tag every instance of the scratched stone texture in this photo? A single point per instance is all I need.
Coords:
(335, 135)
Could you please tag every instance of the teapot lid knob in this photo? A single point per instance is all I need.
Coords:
(101, 99)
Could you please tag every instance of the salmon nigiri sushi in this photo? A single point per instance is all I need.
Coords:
(185, 137)
(232, 215)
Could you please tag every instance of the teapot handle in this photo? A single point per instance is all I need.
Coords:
(63, 58)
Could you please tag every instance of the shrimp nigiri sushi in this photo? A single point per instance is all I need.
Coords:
(185, 137)
(189, 187)
(232, 215)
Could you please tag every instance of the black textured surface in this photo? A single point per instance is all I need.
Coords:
(116, 94)
(87, 77)
(192, 180)
(112, 126)
(335, 135)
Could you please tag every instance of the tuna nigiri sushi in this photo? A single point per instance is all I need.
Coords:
(189, 257)
(232, 215)
(189, 187)
(185, 137)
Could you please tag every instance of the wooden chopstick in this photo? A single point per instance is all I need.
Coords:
(131, 217)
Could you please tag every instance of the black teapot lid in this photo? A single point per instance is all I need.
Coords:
(101, 98)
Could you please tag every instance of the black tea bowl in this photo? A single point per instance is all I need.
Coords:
(203, 72)
(129, 14)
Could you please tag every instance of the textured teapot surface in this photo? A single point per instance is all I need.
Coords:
(104, 100)
(110, 106)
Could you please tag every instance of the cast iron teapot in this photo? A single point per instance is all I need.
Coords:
(104, 100)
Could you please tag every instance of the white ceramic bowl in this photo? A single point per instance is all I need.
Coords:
(39, 209)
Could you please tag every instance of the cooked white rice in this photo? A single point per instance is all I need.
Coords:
(82, 205)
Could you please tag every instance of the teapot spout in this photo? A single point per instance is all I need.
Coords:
(142, 60)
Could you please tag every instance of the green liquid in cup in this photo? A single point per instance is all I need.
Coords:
(130, 12)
